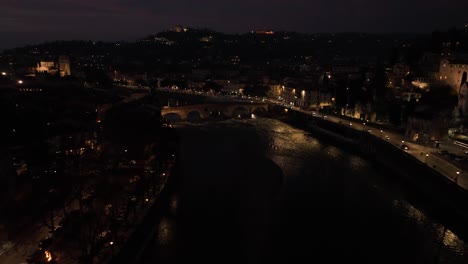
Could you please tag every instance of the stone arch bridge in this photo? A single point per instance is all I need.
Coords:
(204, 111)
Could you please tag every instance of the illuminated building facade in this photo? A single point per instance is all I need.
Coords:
(64, 66)
(264, 32)
(61, 66)
(451, 72)
(305, 98)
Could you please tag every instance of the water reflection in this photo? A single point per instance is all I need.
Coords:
(165, 232)
(452, 241)
(174, 204)
(333, 203)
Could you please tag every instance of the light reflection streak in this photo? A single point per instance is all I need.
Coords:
(165, 234)
(448, 238)
(453, 242)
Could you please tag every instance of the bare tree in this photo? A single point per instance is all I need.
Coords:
(90, 236)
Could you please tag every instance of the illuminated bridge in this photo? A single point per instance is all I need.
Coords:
(204, 111)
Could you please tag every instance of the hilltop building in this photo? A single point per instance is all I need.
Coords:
(60, 66)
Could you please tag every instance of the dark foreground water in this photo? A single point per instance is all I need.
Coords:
(261, 191)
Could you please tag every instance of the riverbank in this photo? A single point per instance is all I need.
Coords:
(448, 199)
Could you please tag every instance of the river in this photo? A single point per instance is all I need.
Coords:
(262, 191)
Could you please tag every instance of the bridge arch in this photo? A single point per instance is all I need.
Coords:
(173, 117)
(260, 111)
(194, 116)
(240, 111)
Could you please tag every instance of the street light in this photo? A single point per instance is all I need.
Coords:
(48, 256)
(427, 155)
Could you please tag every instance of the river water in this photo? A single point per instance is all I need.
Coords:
(262, 191)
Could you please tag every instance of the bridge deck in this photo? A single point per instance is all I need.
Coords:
(205, 110)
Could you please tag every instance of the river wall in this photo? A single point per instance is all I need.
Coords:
(449, 202)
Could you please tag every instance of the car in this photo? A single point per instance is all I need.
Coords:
(444, 152)
(404, 147)
(387, 138)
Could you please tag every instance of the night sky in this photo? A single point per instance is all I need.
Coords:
(34, 21)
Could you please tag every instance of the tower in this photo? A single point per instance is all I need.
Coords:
(463, 96)
(64, 66)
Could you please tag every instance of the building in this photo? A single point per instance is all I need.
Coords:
(304, 97)
(46, 67)
(180, 28)
(451, 72)
(397, 74)
(60, 66)
(421, 82)
(463, 96)
(230, 87)
(64, 66)
(264, 32)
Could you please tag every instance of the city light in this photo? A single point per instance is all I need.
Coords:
(48, 256)
(202, 90)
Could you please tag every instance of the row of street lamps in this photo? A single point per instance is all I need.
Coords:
(455, 179)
